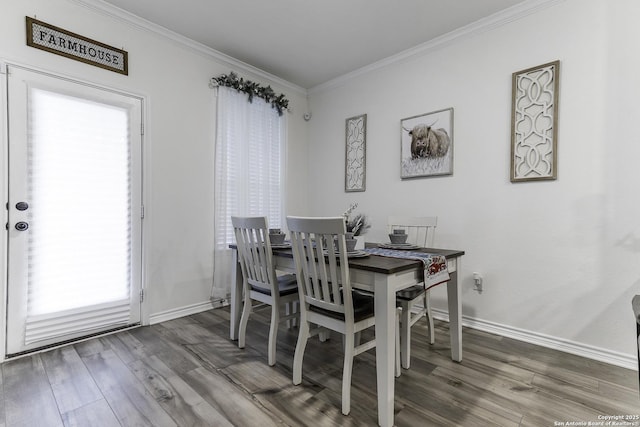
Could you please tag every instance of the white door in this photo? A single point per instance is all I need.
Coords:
(75, 208)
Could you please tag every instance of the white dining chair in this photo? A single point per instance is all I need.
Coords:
(421, 232)
(326, 297)
(261, 283)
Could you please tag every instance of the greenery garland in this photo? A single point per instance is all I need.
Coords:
(279, 102)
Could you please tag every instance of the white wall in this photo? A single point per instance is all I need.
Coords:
(559, 258)
(180, 114)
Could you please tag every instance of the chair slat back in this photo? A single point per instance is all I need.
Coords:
(322, 268)
(420, 230)
(254, 252)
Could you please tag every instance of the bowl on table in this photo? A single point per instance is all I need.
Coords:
(398, 237)
(351, 244)
(277, 238)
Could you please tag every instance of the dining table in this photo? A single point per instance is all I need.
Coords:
(383, 276)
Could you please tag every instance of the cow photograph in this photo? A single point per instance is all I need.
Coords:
(427, 144)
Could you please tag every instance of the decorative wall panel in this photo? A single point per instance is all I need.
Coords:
(355, 157)
(534, 123)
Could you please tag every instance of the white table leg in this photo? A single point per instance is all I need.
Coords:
(455, 314)
(385, 309)
(236, 297)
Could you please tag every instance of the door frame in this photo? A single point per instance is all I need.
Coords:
(4, 187)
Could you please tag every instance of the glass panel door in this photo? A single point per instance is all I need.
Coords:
(74, 210)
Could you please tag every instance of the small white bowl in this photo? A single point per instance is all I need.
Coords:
(398, 238)
(351, 244)
(277, 238)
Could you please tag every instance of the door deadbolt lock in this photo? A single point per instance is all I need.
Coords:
(22, 226)
(22, 206)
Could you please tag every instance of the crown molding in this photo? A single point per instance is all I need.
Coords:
(491, 22)
(135, 21)
(496, 20)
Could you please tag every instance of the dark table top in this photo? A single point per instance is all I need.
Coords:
(387, 265)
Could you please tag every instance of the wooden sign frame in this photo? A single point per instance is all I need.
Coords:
(71, 45)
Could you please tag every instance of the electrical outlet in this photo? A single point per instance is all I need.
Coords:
(477, 279)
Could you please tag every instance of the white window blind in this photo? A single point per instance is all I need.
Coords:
(80, 232)
(249, 172)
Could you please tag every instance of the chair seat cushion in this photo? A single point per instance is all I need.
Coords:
(286, 283)
(363, 307)
(411, 293)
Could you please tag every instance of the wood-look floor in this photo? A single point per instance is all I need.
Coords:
(186, 372)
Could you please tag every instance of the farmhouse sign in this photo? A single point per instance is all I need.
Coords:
(61, 42)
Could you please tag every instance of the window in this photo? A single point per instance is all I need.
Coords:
(249, 178)
(78, 169)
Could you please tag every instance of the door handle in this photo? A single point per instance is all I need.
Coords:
(22, 226)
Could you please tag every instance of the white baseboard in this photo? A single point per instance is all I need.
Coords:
(185, 311)
(603, 355)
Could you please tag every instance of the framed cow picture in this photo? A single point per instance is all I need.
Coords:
(426, 145)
